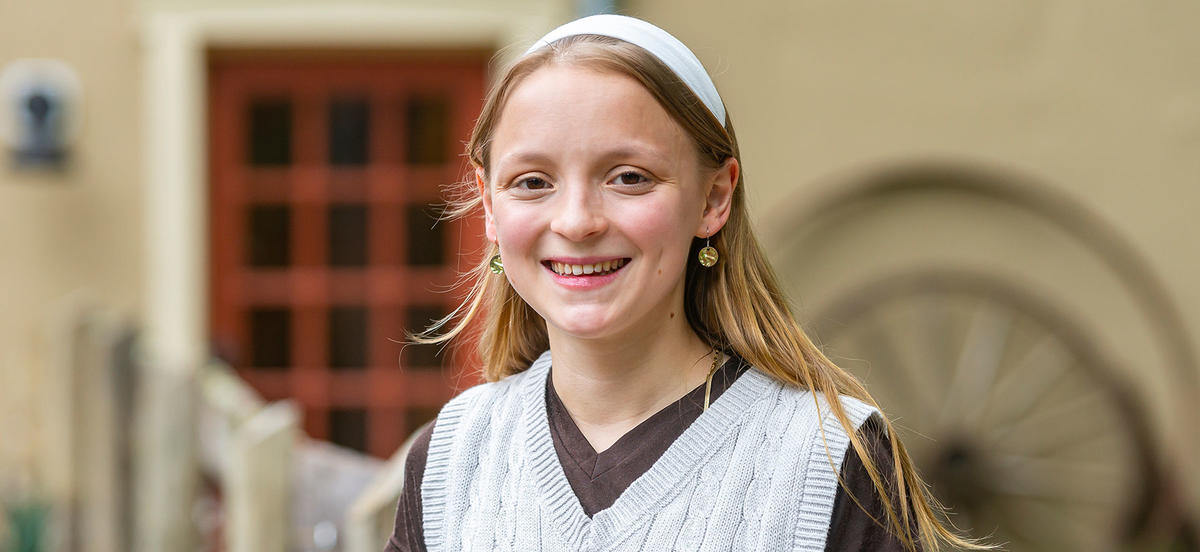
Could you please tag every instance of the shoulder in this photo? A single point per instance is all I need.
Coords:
(859, 517)
(796, 400)
(469, 414)
(414, 463)
(488, 394)
(857, 411)
(482, 393)
(800, 419)
(874, 436)
(407, 532)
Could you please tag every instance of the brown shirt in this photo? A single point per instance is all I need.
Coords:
(599, 478)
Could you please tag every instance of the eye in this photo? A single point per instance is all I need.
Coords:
(529, 185)
(532, 183)
(632, 180)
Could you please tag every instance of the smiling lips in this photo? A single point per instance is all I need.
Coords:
(601, 268)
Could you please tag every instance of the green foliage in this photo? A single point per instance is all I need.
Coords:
(26, 527)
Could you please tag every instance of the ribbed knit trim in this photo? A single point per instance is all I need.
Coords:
(816, 475)
(435, 483)
(822, 469)
(560, 502)
(658, 485)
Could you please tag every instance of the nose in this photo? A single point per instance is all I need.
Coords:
(579, 213)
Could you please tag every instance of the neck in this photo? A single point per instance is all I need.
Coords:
(610, 386)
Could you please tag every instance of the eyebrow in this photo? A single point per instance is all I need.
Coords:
(524, 157)
(633, 150)
(624, 151)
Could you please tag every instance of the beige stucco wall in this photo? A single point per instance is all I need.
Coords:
(62, 233)
(80, 228)
(1098, 104)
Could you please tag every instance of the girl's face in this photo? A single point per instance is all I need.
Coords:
(594, 194)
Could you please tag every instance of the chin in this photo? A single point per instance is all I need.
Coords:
(580, 330)
(584, 332)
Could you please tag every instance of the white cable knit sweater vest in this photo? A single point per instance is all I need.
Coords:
(751, 473)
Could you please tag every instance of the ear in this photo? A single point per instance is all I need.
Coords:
(488, 222)
(719, 200)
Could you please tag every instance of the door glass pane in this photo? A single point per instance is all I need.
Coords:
(348, 234)
(426, 235)
(270, 140)
(416, 416)
(270, 235)
(417, 356)
(348, 428)
(270, 338)
(428, 130)
(347, 337)
(348, 131)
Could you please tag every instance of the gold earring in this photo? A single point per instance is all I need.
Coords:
(496, 265)
(708, 254)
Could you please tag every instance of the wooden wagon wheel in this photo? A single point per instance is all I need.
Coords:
(1007, 409)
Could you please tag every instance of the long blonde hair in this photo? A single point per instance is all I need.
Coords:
(735, 306)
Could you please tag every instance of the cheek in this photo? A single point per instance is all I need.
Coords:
(515, 228)
(667, 226)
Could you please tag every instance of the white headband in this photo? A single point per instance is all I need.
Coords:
(658, 42)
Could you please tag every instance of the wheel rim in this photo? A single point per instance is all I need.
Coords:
(1008, 411)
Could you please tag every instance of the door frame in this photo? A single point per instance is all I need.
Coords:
(174, 310)
(175, 47)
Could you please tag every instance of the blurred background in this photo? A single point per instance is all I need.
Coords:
(217, 220)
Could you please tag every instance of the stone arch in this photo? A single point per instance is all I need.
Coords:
(1019, 190)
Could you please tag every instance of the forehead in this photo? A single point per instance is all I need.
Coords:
(569, 109)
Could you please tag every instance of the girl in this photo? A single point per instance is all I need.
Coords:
(648, 387)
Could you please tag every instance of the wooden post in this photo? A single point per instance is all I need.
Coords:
(101, 389)
(257, 486)
(165, 470)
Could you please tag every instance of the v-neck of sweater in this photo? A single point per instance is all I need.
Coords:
(692, 448)
(851, 527)
(599, 478)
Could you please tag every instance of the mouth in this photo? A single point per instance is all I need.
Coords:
(595, 268)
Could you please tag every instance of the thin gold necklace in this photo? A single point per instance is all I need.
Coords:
(708, 381)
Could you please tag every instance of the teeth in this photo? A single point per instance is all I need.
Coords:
(578, 270)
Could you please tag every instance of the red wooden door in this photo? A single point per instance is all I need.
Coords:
(325, 177)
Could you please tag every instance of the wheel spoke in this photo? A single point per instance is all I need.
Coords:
(886, 359)
(1026, 397)
(1090, 434)
(980, 361)
(1012, 524)
(1052, 526)
(1029, 364)
(922, 354)
(1094, 474)
(1043, 487)
(1070, 409)
(933, 321)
